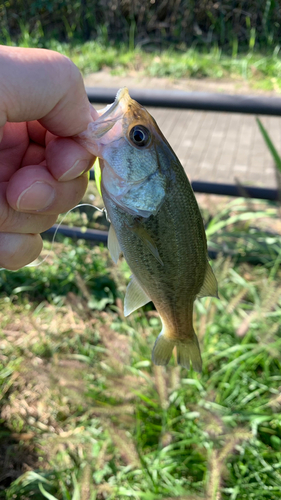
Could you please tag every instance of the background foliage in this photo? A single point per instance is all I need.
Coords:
(145, 22)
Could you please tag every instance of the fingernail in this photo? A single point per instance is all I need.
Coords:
(37, 197)
(76, 170)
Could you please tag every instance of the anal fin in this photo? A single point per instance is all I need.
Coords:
(210, 285)
(135, 297)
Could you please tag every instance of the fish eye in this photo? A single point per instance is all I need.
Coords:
(140, 135)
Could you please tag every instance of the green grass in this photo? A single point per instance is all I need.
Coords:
(84, 413)
(260, 70)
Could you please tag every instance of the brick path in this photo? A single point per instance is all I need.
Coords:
(215, 147)
(221, 147)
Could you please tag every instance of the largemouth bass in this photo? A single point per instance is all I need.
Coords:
(155, 223)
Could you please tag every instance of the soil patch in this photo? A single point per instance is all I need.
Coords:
(136, 79)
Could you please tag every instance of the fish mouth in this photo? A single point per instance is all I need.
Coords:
(125, 108)
(116, 122)
(111, 113)
(108, 128)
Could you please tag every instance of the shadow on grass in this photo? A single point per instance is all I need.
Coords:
(17, 455)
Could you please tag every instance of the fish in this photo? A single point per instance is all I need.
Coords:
(155, 223)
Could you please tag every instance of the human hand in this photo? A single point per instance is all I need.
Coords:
(43, 104)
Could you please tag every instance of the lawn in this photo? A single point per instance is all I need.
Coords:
(260, 69)
(84, 413)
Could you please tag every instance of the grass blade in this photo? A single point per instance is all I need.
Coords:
(270, 145)
(45, 493)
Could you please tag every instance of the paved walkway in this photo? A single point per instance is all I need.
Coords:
(215, 147)
(221, 147)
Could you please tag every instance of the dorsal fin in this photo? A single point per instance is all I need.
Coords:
(210, 285)
(135, 297)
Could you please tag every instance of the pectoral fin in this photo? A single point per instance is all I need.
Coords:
(135, 297)
(143, 235)
(113, 244)
(210, 285)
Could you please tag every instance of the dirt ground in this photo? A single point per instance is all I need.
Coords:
(136, 79)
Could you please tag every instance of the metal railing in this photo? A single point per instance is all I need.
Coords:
(206, 101)
(187, 100)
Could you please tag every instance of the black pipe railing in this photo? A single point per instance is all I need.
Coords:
(230, 190)
(254, 105)
(198, 187)
(236, 190)
(77, 232)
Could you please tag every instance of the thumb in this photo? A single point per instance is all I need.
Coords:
(39, 84)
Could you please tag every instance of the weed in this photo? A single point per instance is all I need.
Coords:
(78, 385)
(261, 70)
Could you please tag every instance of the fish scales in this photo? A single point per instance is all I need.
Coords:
(157, 225)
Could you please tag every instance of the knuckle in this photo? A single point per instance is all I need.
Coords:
(9, 219)
(73, 74)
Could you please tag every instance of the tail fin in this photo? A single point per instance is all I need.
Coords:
(187, 351)
(190, 351)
